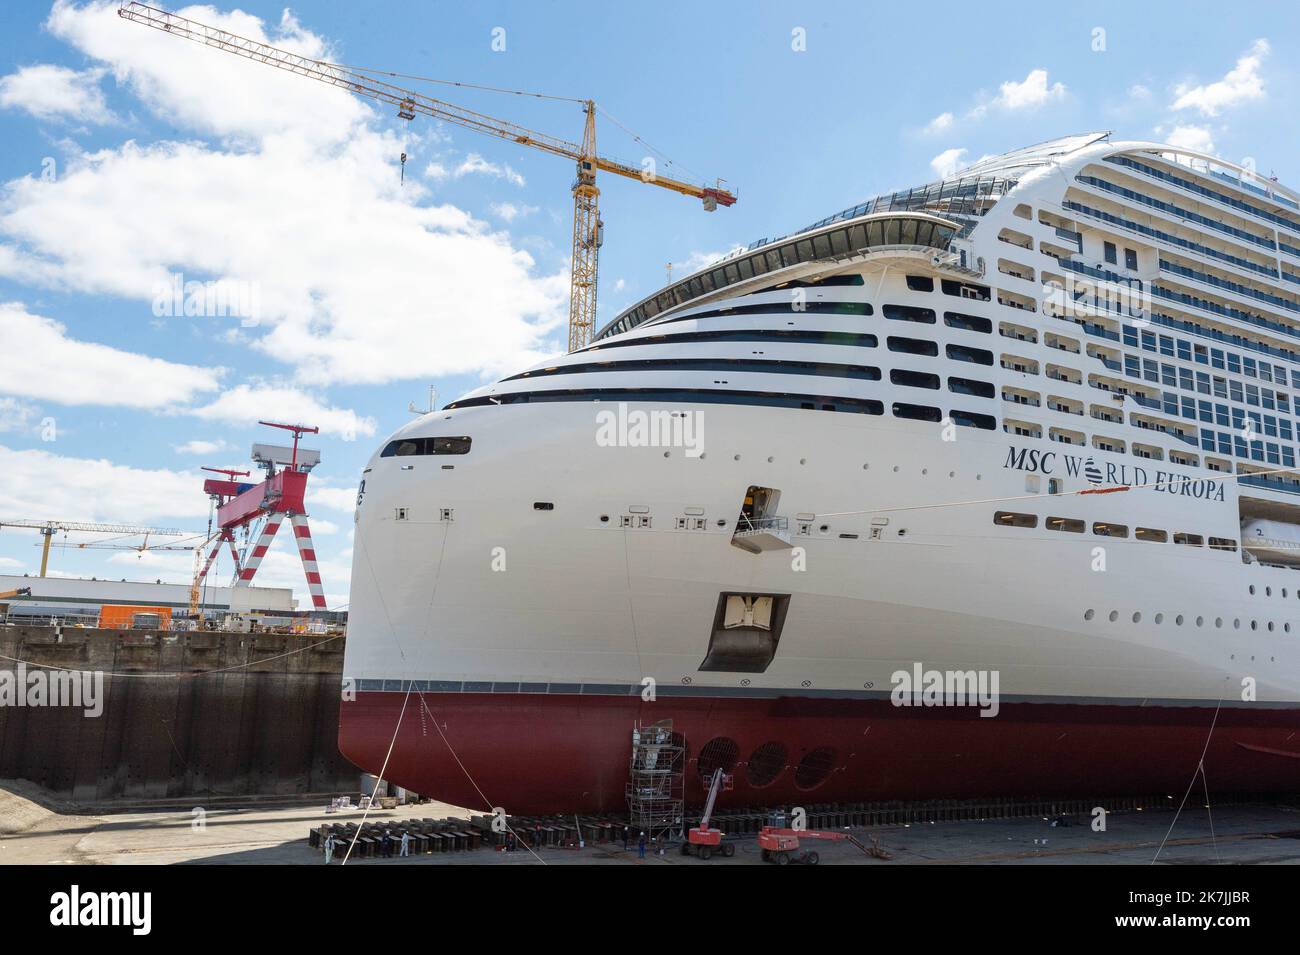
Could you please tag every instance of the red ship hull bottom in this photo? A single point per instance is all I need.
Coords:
(539, 753)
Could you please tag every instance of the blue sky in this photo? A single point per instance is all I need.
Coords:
(132, 160)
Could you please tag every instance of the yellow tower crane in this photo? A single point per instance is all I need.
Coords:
(49, 528)
(587, 227)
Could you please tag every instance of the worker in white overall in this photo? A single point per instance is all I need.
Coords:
(329, 848)
(406, 844)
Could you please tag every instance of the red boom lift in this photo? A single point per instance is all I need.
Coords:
(703, 840)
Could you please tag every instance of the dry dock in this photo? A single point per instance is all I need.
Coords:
(1250, 835)
(185, 715)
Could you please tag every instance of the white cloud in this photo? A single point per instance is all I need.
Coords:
(199, 446)
(510, 211)
(10, 562)
(1241, 84)
(247, 404)
(50, 92)
(41, 361)
(335, 498)
(1198, 138)
(39, 484)
(940, 123)
(16, 415)
(1027, 94)
(437, 171)
(1138, 92)
(208, 90)
(476, 165)
(359, 280)
(948, 162)
(694, 262)
(1030, 92)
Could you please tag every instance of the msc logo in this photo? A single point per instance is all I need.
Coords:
(1091, 471)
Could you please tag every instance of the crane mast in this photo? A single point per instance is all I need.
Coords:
(587, 225)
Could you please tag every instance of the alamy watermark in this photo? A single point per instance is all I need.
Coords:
(922, 687)
(225, 298)
(637, 428)
(39, 687)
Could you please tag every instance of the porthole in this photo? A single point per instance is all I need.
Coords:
(1114, 615)
(815, 768)
(1236, 623)
(1218, 622)
(770, 459)
(1137, 618)
(765, 764)
(1178, 621)
(1160, 618)
(1087, 615)
(1252, 590)
(718, 753)
(895, 468)
(1286, 628)
(1254, 625)
(1200, 621)
(1270, 626)
(1268, 591)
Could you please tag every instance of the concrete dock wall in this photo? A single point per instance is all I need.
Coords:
(184, 714)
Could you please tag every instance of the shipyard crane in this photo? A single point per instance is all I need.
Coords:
(280, 496)
(49, 528)
(588, 230)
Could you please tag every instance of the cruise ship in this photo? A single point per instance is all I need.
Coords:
(1031, 426)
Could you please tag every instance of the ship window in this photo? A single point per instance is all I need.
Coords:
(831, 281)
(909, 313)
(965, 290)
(979, 356)
(920, 283)
(1068, 524)
(970, 323)
(1108, 249)
(913, 379)
(913, 346)
(1151, 534)
(917, 412)
(1223, 543)
(1012, 519)
(969, 419)
(746, 335)
(969, 386)
(409, 446)
(773, 366)
(1106, 529)
(1191, 540)
(702, 395)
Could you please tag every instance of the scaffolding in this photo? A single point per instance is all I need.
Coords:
(657, 780)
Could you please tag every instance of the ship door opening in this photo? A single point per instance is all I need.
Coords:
(759, 528)
(746, 631)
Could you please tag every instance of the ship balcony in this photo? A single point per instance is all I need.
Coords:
(761, 534)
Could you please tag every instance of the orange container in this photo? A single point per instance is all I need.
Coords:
(133, 616)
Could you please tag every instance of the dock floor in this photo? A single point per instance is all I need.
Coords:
(1238, 835)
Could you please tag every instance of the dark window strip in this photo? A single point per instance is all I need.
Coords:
(772, 366)
(746, 335)
(720, 396)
